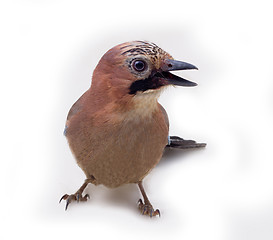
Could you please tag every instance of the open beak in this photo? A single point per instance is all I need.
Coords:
(173, 65)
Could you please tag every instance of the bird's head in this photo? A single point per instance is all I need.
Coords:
(138, 68)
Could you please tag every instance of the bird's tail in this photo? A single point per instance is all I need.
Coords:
(177, 142)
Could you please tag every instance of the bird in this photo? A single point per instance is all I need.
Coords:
(117, 130)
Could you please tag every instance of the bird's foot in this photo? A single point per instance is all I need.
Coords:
(147, 209)
(74, 197)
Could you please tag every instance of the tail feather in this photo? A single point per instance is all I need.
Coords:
(177, 142)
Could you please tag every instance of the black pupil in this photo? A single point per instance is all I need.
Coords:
(139, 65)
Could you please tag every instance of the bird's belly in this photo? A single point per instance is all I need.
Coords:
(125, 153)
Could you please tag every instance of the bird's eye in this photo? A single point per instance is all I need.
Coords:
(139, 65)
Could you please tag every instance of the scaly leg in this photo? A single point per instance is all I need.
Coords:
(76, 196)
(146, 208)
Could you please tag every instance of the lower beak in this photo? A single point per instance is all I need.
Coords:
(169, 78)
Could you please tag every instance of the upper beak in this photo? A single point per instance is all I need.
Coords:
(172, 65)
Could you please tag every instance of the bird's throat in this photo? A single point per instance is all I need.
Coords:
(145, 104)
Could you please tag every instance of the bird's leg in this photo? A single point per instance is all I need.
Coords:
(146, 208)
(76, 196)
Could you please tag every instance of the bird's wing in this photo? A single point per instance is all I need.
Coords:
(76, 107)
(165, 115)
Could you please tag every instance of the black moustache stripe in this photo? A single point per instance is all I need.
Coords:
(152, 82)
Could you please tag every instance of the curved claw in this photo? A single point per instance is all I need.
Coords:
(157, 212)
(68, 201)
(64, 197)
(86, 197)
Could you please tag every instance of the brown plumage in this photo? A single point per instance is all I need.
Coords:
(117, 130)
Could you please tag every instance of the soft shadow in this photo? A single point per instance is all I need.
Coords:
(172, 154)
(125, 196)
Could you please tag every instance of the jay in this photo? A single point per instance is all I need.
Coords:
(117, 130)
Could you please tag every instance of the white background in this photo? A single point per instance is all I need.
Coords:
(48, 51)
